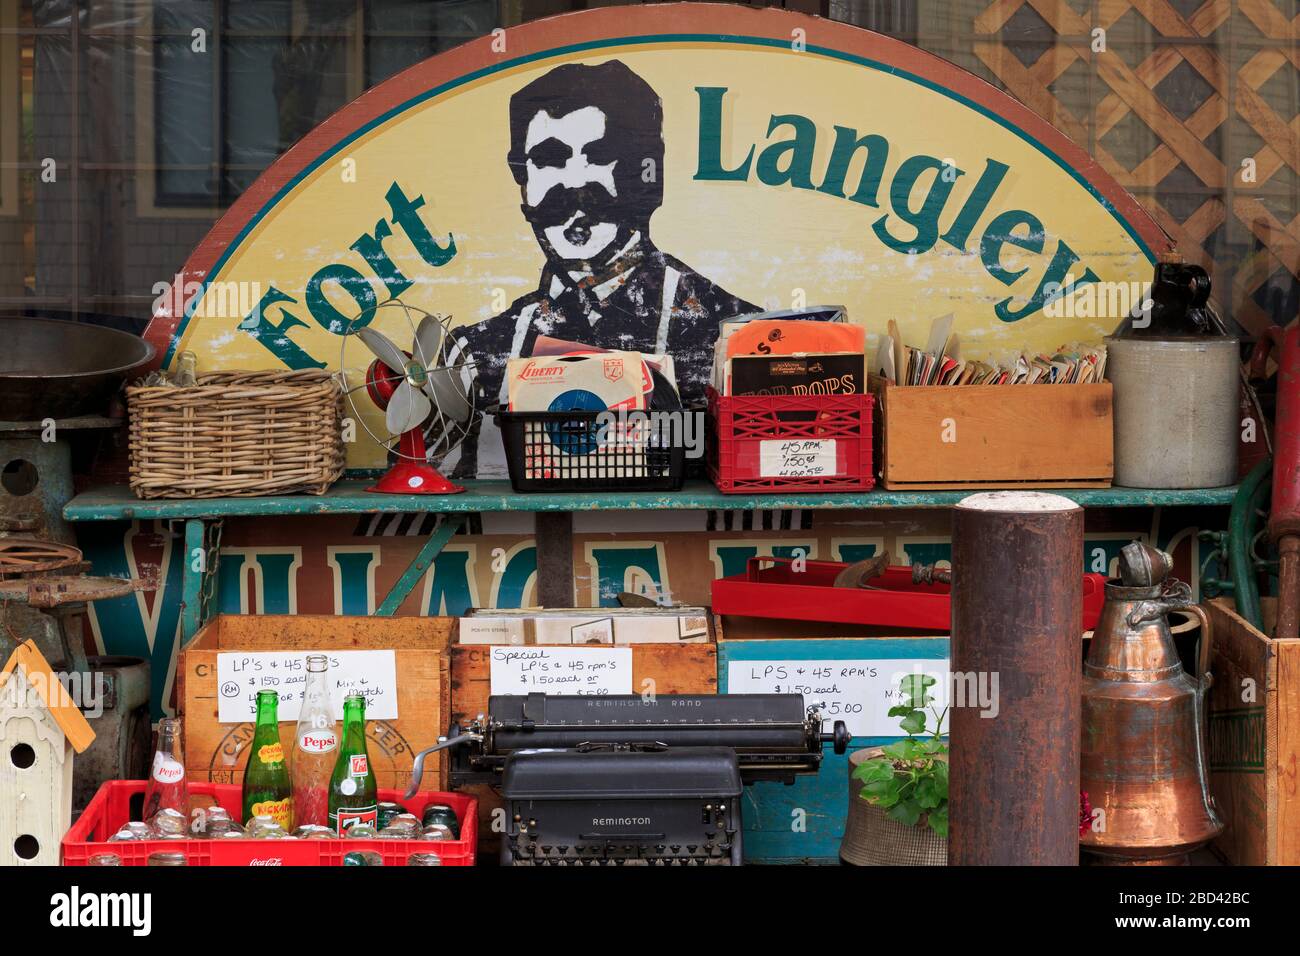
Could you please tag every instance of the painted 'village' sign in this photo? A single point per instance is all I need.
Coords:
(629, 176)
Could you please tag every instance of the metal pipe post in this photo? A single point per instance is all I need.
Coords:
(1017, 607)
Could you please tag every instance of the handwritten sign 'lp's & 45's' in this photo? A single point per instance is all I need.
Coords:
(240, 675)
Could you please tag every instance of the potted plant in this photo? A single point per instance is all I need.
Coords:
(898, 795)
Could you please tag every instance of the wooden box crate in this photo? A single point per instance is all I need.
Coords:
(217, 752)
(995, 436)
(804, 823)
(1254, 748)
(674, 668)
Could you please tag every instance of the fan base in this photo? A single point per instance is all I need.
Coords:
(414, 478)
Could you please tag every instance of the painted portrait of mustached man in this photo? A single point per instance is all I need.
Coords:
(587, 151)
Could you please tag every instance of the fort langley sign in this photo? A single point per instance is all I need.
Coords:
(696, 160)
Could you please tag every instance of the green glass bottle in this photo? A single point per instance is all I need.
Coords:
(354, 796)
(267, 788)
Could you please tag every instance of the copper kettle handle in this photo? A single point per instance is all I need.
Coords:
(1207, 643)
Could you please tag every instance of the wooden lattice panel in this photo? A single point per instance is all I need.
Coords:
(1213, 61)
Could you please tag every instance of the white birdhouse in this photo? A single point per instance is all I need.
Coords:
(40, 729)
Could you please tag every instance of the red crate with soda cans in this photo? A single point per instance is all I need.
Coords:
(110, 810)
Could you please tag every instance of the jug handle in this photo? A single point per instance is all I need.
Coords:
(1207, 643)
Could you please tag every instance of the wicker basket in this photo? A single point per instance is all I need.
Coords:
(871, 838)
(237, 434)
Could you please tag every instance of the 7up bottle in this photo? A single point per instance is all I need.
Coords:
(354, 797)
(267, 791)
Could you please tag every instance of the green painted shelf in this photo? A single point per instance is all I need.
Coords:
(117, 502)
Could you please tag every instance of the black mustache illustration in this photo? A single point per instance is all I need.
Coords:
(560, 203)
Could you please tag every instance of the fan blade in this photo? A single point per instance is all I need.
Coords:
(384, 349)
(448, 391)
(428, 342)
(407, 409)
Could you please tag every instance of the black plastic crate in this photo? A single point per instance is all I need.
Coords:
(577, 451)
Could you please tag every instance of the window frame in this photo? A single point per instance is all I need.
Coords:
(151, 201)
(11, 112)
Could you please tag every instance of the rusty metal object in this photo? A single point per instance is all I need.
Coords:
(47, 591)
(1284, 521)
(860, 573)
(1016, 606)
(931, 574)
(23, 556)
(1288, 592)
(1144, 751)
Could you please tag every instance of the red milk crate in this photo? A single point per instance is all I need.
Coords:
(752, 450)
(110, 809)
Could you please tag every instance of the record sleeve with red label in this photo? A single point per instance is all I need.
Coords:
(594, 382)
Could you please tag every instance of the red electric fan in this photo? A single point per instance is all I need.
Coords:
(427, 399)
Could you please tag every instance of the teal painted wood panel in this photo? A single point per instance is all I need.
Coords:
(117, 502)
(804, 822)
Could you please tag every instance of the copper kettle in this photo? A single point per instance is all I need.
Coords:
(1144, 765)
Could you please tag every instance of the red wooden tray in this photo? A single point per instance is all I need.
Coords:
(809, 595)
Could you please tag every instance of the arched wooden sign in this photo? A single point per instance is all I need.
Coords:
(630, 175)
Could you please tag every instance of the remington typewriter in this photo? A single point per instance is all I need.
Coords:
(629, 780)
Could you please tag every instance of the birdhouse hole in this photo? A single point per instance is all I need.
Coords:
(22, 756)
(19, 477)
(26, 847)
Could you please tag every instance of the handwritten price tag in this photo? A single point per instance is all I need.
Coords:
(859, 693)
(595, 671)
(795, 458)
(241, 675)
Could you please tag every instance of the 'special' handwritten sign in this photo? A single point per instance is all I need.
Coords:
(586, 670)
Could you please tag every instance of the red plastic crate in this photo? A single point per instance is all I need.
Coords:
(110, 809)
(781, 592)
(742, 423)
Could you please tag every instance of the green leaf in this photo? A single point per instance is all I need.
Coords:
(914, 688)
(907, 749)
(907, 812)
(929, 793)
(914, 722)
(938, 821)
(900, 710)
(882, 793)
(874, 770)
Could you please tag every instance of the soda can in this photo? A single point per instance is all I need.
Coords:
(165, 858)
(443, 814)
(437, 831)
(387, 811)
